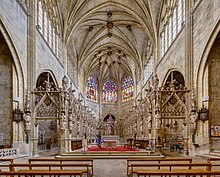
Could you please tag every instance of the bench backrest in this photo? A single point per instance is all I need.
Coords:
(4, 164)
(63, 161)
(169, 167)
(178, 173)
(49, 167)
(210, 160)
(59, 173)
(215, 162)
(131, 161)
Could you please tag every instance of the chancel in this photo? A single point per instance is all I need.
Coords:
(124, 72)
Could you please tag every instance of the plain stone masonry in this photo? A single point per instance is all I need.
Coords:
(214, 81)
(5, 92)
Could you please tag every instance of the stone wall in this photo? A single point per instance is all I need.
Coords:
(5, 92)
(205, 19)
(46, 60)
(93, 107)
(14, 19)
(173, 59)
(214, 82)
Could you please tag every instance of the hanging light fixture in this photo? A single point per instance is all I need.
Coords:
(203, 113)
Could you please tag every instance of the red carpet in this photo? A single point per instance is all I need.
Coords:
(111, 149)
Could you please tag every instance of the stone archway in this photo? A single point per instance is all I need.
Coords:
(214, 96)
(174, 111)
(47, 111)
(6, 93)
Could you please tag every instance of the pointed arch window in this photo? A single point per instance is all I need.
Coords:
(109, 92)
(47, 24)
(127, 89)
(92, 89)
(172, 23)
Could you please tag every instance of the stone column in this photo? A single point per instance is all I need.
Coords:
(34, 139)
(188, 68)
(63, 133)
(31, 70)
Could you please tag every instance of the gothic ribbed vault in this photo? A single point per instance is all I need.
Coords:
(108, 38)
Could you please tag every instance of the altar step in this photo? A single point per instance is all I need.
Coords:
(110, 155)
(212, 154)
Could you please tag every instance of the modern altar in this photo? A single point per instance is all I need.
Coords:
(111, 138)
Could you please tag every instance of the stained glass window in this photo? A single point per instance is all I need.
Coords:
(91, 89)
(127, 89)
(109, 92)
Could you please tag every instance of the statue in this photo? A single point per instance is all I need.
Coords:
(65, 81)
(193, 113)
(155, 81)
(63, 121)
(149, 121)
(193, 119)
(157, 120)
(71, 122)
(109, 125)
(27, 122)
(27, 114)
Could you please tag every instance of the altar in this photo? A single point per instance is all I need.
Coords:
(111, 138)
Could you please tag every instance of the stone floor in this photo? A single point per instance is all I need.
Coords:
(106, 167)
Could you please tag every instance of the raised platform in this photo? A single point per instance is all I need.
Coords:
(111, 155)
(108, 153)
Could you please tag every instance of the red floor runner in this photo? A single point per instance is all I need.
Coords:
(113, 149)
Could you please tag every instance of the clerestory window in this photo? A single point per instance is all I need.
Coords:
(173, 19)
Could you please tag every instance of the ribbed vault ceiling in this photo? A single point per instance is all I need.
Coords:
(108, 38)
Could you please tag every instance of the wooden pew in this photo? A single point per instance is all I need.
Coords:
(59, 173)
(215, 162)
(149, 173)
(155, 160)
(63, 161)
(167, 167)
(5, 163)
(179, 173)
(41, 168)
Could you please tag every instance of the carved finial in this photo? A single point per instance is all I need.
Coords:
(27, 103)
(156, 81)
(193, 101)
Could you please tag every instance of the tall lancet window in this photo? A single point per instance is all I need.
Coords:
(109, 92)
(91, 89)
(127, 89)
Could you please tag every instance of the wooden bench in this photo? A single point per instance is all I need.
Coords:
(179, 173)
(215, 162)
(144, 169)
(59, 173)
(5, 163)
(74, 169)
(155, 160)
(63, 161)
(149, 173)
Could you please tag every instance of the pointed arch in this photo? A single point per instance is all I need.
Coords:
(44, 76)
(127, 89)
(92, 89)
(109, 92)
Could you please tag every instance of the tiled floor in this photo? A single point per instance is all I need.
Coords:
(108, 167)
